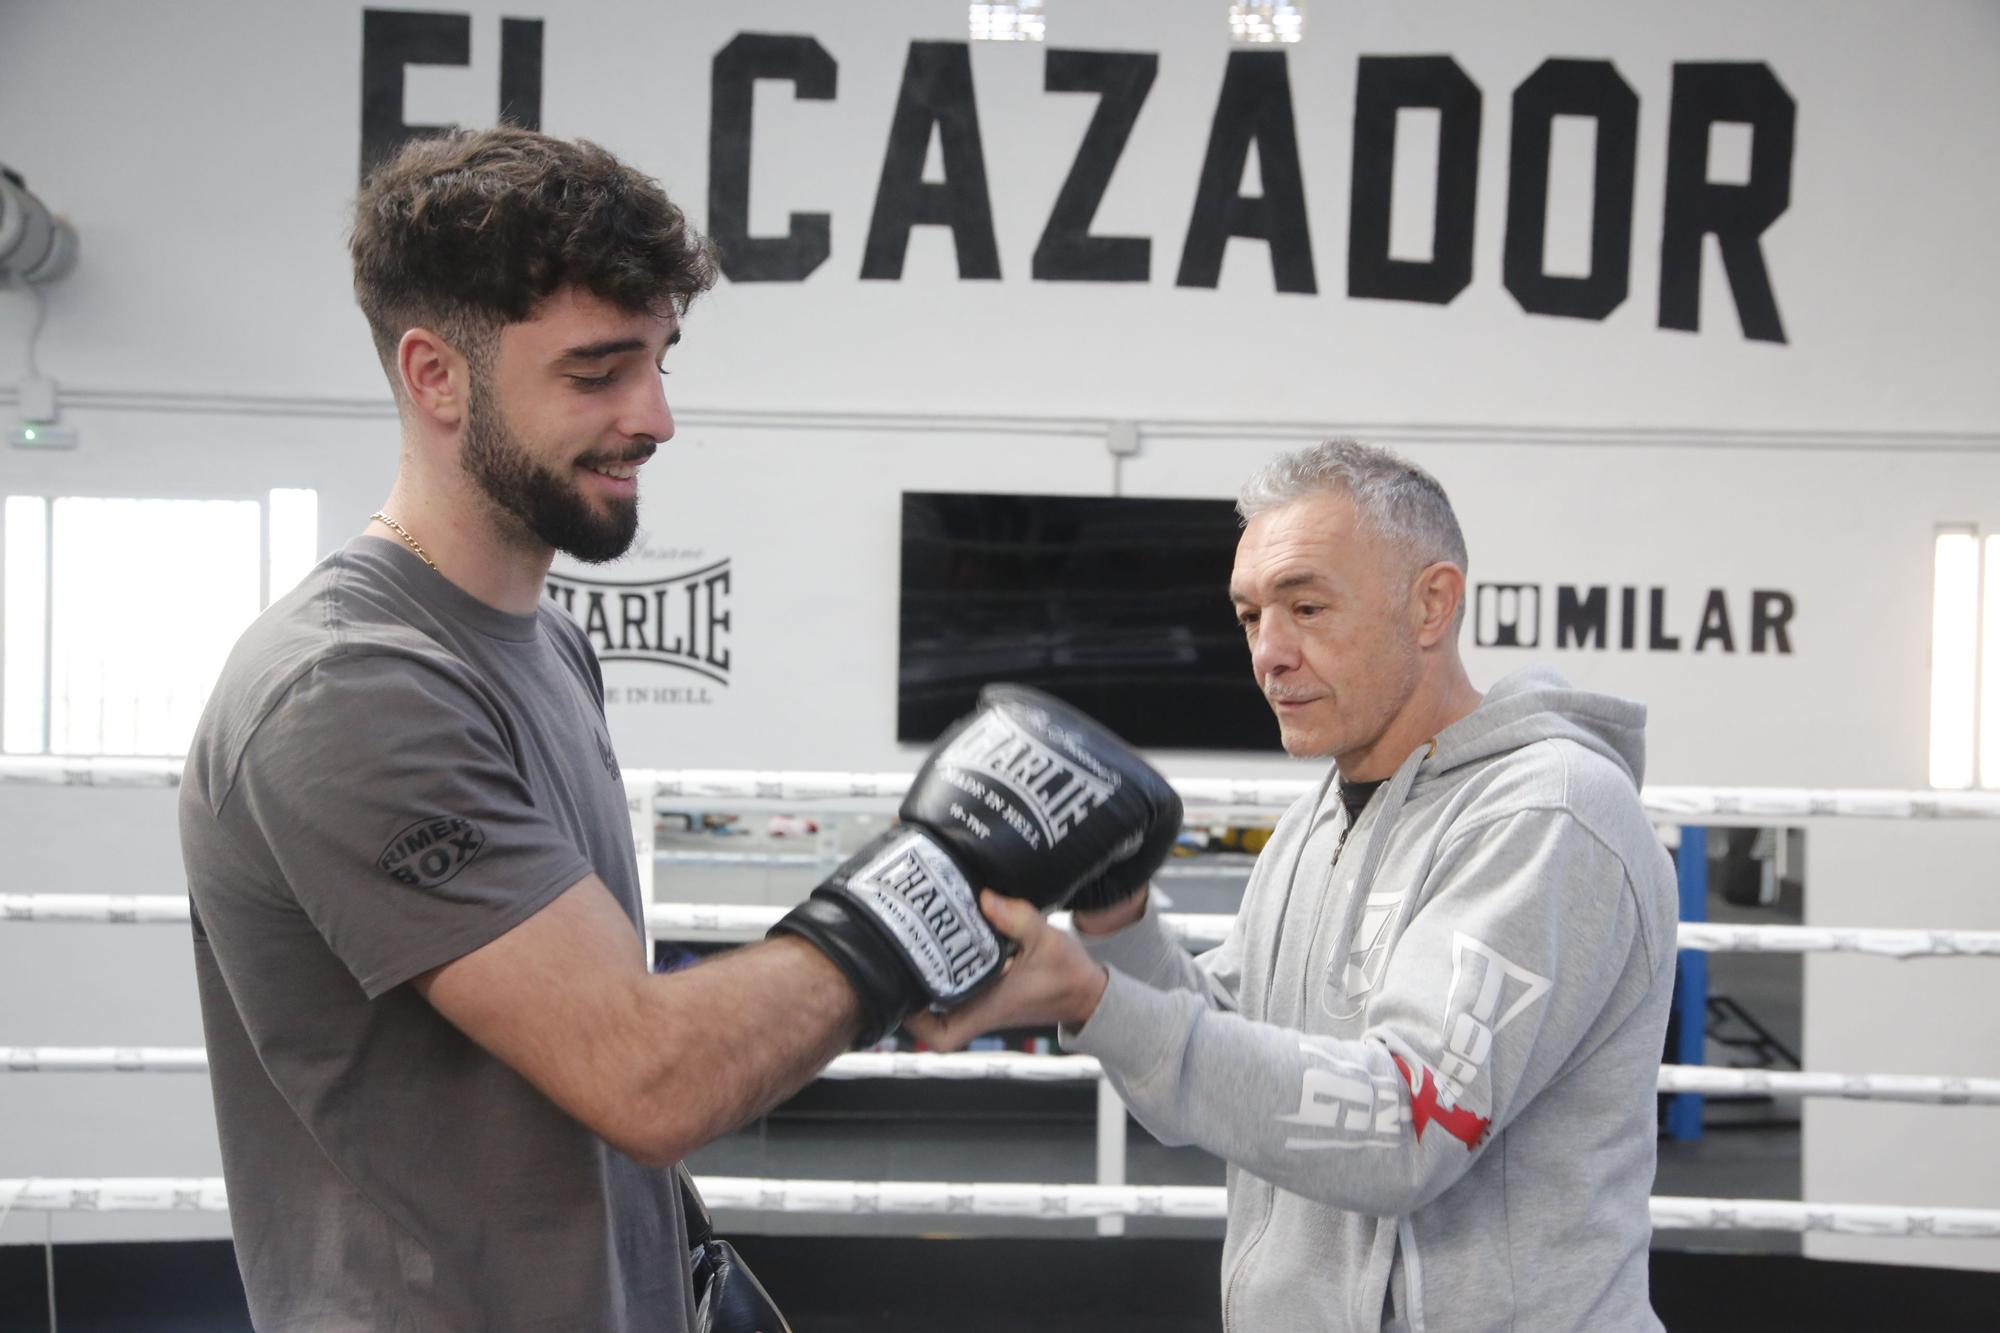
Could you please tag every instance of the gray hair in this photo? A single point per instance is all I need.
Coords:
(1400, 500)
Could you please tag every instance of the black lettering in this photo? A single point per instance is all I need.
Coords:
(1580, 620)
(391, 40)
(434, 863)
(750, 56)
(467, 843)
(964, 957)
(1255, 106)
(1067, 251)
(1770, 618)
(1628, 617)
(717, 585)
(1704, 96)
(563, 593)
(1657, 637)
(521, 72)
(677, 647)
(692, 642)
(1590, 88)
(1715, 623)
(631, 614)
(404, 874)
(906, 873)
(936, 92)
(1385, 86)
(596, 625)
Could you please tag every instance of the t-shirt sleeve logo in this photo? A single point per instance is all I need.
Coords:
(429, 852)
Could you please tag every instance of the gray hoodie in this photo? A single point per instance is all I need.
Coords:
(1429, 1058)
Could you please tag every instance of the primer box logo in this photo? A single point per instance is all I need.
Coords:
(429, 852)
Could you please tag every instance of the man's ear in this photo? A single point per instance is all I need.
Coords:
(436, 378)
(1434, 601)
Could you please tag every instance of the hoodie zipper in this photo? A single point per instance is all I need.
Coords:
(1270, 987)
(1352, 914)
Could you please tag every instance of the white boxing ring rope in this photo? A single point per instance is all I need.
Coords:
(734, 923)
(1669, 804)
(1040, 1202)
(1107, 1202)
(1018, 1067)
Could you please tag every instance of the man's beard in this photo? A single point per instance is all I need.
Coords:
(548, 505)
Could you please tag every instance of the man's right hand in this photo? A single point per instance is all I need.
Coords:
(1050, 979)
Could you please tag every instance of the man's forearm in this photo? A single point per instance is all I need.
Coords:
(1142, 948)
(741, 1032)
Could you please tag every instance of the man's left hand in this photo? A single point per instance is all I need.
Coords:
(1050, 980)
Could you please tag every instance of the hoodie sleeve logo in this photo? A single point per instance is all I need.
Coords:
(1354, 1105)
(1487, 993)
(1429, 1106)
(431, 851)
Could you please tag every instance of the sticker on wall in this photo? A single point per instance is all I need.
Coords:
(1602, 616)
(652, 634)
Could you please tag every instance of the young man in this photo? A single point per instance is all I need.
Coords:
(448, 1089)
(1428, 1048)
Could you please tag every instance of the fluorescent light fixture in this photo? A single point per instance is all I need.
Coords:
(294, 538)
(26, 683)
(1954, 657)
(1015, 22)
(1282, 21)
(1989, 669)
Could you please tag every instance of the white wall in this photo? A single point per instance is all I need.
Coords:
(207, 345)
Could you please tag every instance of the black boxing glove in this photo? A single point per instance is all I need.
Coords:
(728, 1298)
(902, 921)
(1037, 800)
(1025, 796)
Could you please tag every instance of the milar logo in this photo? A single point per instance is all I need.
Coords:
(1516, 615)
(680, 621)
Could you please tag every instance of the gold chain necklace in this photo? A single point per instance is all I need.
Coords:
(410, 541)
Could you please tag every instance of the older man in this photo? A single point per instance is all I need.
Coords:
(1427, 1049)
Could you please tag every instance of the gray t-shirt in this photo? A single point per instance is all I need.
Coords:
(389, 775)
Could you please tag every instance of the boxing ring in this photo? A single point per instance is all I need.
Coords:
(1108, 1200)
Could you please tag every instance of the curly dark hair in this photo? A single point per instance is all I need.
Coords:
(469, 231)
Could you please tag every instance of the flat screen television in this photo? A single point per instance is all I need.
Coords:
(1119, 606)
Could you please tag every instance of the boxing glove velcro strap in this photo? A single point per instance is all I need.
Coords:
(880, 980)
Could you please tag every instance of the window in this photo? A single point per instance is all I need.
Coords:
(119, 613)
(1965, 659)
